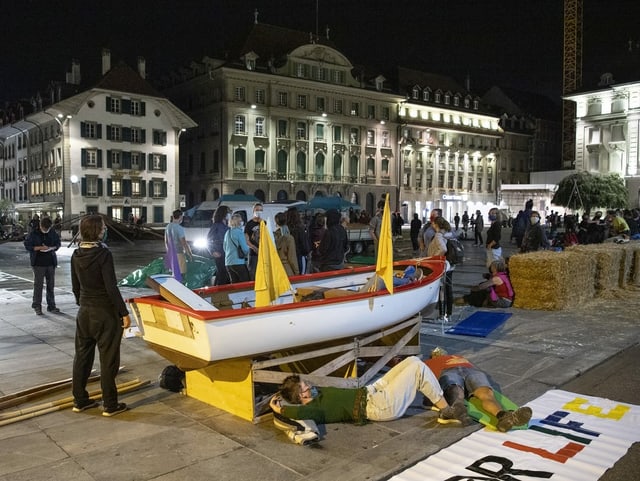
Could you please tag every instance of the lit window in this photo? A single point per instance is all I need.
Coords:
(260, 126)
(156, 162)
(385, 138)
(157, 188)
(301, 131)
(240, 125)
(135, 189)
(355, 109)
(116, 187)
(371, 137)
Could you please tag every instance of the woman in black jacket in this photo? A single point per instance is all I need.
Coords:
(334, 244)
(101, 318)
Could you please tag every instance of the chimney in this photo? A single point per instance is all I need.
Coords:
(142, 67)
(75, 72)
(73, 77)
(106, 60)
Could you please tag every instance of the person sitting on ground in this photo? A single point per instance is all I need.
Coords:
(460, 380)
(634, 229)
(386, 399)
(494, 292)
(619, 230)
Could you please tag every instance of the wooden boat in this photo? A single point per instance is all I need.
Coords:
(223, 323)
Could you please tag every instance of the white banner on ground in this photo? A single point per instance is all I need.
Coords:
(570, 437)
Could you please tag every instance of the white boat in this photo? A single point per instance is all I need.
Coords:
(223, 323)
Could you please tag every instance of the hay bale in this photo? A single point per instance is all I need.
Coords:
(550, 280)
(634, 274)
(609, 259)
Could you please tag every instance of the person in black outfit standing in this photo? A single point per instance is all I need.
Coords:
(414, 232)
(101, 318)
(252, 236)
(215, 243)
(42, 245)
(334, 244)
(478, 228)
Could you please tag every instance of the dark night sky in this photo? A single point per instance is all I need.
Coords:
(509, 42)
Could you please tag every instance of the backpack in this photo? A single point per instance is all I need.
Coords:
(171, 378)
(455, 251)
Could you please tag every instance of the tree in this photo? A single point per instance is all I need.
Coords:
(583, 190)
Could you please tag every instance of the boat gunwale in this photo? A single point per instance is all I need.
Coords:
(206, 316)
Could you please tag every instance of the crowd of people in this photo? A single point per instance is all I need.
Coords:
(317, 244)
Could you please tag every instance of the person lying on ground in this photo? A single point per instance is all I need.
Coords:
(460, 380)
(496, 291)
(386, 399)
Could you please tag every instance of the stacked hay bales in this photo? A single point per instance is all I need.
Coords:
(617, 264)
(550, 280)
(634, 275)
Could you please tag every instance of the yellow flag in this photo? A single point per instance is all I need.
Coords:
(384, 262)
(271, 278)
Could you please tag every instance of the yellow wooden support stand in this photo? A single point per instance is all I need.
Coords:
(230, 385)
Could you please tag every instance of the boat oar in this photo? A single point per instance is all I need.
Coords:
(64, 403)
(39, 391)
(25, 395)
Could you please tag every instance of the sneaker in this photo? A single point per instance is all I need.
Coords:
(38, 311)
(117, 409)
(514, 418)
(448, 416)
(54, 309)
(78, 408)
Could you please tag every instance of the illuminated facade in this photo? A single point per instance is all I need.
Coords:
(303, 122)
(608, 133)
(111, 149)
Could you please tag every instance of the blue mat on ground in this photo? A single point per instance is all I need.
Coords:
(479, 324)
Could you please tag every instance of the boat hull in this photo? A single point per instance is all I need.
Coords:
(194, 339)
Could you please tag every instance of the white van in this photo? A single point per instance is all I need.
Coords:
(197, 227)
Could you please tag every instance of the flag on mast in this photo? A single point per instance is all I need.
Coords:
(271, 278)
(384, 261)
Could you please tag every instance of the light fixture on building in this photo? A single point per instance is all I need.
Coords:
(324, 114)
(74, 179)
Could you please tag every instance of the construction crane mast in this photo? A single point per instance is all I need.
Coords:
(572, 77)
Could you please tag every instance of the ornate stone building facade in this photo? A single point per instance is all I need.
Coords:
(608, 133)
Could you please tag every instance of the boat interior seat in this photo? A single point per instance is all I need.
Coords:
(221, 300)
(314, 293)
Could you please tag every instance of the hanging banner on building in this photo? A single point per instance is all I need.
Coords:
(570, 437)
